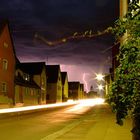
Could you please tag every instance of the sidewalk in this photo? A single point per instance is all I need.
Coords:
(106, 128)
(99, 124)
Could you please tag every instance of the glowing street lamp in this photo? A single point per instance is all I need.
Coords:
(100, 87)
(99, 77)
(100, 80)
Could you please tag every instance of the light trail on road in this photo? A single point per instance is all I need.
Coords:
(83, 104)
(27, 108)
(79, 104)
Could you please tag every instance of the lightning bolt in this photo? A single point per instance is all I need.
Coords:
(85, 82)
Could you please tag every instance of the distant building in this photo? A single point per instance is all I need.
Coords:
(54, 84)
(30, 83)
(74, 90)
(7, 65)
(92, 93)
(64, 86)
(81, 91)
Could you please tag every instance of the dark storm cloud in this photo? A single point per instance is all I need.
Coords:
(57, 12)
(79, 54)
(54, 19)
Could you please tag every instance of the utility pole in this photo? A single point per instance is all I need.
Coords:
(123, 8)
(123, 11)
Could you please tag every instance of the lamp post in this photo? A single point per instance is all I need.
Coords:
(100, 78)
(100, 87)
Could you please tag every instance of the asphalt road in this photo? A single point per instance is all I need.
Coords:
(47, 124)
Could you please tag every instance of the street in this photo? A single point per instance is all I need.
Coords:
(77, 122)
(38, 125)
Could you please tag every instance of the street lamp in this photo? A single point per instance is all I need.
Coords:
(99, 77)
(100, 87)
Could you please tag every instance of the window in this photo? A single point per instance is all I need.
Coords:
(32, 92)
(4, 64)
(5, 45)
(59, 78)
(26, 77)
(4, 87)
(43, 81)
(47, 96)
(26, 91)
(59, 87)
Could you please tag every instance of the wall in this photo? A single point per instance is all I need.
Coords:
(7, 76)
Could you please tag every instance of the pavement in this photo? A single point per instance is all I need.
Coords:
(99, 125)
(106, 127)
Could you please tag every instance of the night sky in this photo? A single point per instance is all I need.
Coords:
(55, 19)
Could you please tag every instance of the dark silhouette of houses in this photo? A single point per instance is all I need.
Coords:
(54, 84)
(30, 83)
(74, 90)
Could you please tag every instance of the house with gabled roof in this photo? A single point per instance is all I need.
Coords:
(64, 86)
(74, 90)
(31, 83)
(7, 65)
(54, 84)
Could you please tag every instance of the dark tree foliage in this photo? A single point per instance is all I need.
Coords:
(125, 90)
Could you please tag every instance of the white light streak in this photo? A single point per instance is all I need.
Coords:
(79, 106)
(70, 101)
(91, 102)
(86, 103)
(27, 108)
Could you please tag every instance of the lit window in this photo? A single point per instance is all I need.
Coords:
(26, 77)
(4, 87)
(5, 45)
(4, 64)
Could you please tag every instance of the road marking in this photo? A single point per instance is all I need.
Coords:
(59, 133)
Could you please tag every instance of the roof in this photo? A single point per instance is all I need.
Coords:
(74, 85)
(3, 24)
(32, 68)
(52, 73)
(64, 76)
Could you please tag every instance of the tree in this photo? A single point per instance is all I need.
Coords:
(125, 90)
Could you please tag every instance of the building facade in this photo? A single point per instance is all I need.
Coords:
(54, 84)
(74, 90)
(64, 86)
(7, 65)
(31, 83)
